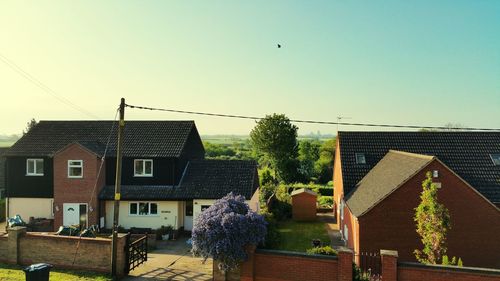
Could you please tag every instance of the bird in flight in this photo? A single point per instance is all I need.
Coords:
(279, 46)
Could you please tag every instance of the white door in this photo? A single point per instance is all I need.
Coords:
(71, 215)
(188, 215)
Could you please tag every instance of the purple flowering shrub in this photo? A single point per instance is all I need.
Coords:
(223, 230)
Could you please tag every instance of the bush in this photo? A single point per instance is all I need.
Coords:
(325, 201)
(358, 274)
(273, 236)
(265, 192)
(326, 250)
(224, 229)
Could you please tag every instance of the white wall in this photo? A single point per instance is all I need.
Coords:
(167, 215)
(197, 203)
(31, 207)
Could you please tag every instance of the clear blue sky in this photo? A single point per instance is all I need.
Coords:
(403, 62)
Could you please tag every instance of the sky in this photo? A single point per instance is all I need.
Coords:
(398, 62)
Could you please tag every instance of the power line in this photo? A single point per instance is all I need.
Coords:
(44, 87)
(314, 121)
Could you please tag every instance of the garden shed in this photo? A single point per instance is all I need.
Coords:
(304, 205)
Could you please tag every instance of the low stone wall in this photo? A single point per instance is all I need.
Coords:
(68, 252)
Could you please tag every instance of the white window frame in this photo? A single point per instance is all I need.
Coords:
(34, 166)
(75, 166)
(143, 168)
(360, 155)
(342, 209)
(149, 209)
(494, 158)
(346, 233)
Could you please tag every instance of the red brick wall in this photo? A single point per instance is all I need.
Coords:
(409, 273)
(266, 265)
(77, 190)
(304, 207)
(475, 222)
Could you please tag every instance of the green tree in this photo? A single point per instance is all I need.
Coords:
(323, 167)
(433, 223)
(32, 123)
(308, 155)
(276, 137)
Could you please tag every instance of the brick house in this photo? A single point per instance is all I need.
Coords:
(53, 172)
(378, 179)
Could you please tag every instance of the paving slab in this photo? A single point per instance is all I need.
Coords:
(333, 229)
(172, 261)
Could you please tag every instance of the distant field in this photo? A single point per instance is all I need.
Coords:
(6, 143)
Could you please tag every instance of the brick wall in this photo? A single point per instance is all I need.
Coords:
(77, 190)
(474, 221)
(304, 207)
(406, 271)
(87, 253)
(270, 265)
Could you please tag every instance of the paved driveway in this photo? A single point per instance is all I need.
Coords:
(172, 261)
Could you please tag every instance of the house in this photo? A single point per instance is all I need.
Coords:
(378, 180)
(2, 171)
(58, 171)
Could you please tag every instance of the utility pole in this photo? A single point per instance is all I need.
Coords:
(118, 178)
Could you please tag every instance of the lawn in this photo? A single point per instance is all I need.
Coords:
(12, 272)
(297, 236)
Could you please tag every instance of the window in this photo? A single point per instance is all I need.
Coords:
(75, 168)
(342, 209)
(143, 209)
(496, 159)
(204, 207)
(346, 233)
(143, 167)
(34, 167)
(360, 158)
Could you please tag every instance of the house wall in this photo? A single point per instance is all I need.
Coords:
(77, 190)
(30, 207)
(475, 223)
(167, 215)
(197, 203)
(338, 185)
(352, 224)
(164, 172)
(254, 203)
(20, 185)
(304, 207)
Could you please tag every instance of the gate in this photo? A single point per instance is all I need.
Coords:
(136, 252)
(370, 265)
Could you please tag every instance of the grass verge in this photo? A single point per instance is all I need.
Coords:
(15, 273)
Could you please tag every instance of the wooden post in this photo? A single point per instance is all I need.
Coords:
(118, 178)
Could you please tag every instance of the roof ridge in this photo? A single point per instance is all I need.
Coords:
(417, 155)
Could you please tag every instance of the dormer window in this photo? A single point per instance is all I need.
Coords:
(143, 167)
(496, 159)
(34, 167)
(360, 158)
(75, 168)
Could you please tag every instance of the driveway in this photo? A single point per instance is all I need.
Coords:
(172, 261)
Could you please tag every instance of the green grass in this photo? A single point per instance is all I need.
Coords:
(297, 236)
(12, 272)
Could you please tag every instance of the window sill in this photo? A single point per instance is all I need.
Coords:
(143, 176)
(34, 175)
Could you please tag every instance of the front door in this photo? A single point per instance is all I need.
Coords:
(75, 214)
(188, 215)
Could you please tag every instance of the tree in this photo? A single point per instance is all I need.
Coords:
(30, 125)
(308, 154)
(433, 222)
(323, 167)
(276, 137)
(224, 229)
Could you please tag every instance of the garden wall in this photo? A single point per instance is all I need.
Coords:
(394, 271)
(267, 265)
(92, 254)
